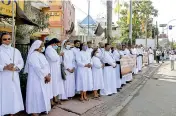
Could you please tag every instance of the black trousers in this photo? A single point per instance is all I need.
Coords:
(158, 58)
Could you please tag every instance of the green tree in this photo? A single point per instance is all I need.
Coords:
(142, 15)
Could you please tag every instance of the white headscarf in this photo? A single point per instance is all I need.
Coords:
(34, 46)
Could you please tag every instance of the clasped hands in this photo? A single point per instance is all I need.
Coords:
(88, 65)
(71, 70)
(10, 67)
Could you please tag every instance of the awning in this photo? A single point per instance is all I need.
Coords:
(4, 26)
(21, 18)
(39, 34)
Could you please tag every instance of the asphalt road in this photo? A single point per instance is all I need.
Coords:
(157, 97)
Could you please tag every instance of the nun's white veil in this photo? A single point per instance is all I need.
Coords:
(34, 46)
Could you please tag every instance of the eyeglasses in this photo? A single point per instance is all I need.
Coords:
(5, 39)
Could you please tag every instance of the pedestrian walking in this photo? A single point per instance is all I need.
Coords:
(158, 52)
(172, 59)
(162, 56)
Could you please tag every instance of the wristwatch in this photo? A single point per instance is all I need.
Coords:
(17, 69)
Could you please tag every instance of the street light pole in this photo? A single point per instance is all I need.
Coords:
(109, 20)
(88, 18)
(157, 34)
(130, 26)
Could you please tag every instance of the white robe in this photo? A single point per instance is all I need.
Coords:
(97, 72)
(151, 56)
(11, 100)
(101, 52)
(123, 80)
(38, 96)
(134, 52)
(69, 83)
(109, 75)
(75, 52)
(127, 77)
(89, 50)
(139, 59)
(116, 56)
(55, 67)
(84, 74)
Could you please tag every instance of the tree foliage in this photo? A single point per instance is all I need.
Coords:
(142, 15)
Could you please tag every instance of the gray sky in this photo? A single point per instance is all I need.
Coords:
(166, 10)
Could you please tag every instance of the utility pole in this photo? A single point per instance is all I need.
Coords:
(109, 20)
(157, 34)
(146, 33)
(88, 18)
(118, 10)
(130, 26)
(172, 43)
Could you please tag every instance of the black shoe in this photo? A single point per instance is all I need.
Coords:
(43, 113)
(118, 90)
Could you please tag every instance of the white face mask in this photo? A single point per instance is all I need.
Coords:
(68, 47)
(97, 54)
(43, 49)
(7, 46)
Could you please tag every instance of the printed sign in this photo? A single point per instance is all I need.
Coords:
(127, 64)
(6, 6)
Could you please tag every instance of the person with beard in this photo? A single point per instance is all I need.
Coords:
(11, 101)
(89, 49)
(76, 50)
(69, 66)
(109, 73)
(116, 56)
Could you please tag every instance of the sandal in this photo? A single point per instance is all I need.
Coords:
(81, 100)
(86, 99)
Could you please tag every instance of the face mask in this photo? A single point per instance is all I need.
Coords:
(55, 47)
(43, 49)
(84, 48)
(97, 55)
(68, 47)
(7, 46)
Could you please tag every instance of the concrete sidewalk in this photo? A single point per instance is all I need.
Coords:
(106, 105)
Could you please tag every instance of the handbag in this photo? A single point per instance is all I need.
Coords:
(63, 73)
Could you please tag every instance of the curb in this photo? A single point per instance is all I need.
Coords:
(117, 110)
(127, 100)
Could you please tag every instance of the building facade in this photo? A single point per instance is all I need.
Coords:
(69, 17)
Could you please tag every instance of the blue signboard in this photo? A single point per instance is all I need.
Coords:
(170, 27)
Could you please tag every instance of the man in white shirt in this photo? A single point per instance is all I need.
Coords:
(158, 53)
(89, 49)
(172, 59)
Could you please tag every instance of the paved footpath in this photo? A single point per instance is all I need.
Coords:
(106, 105)
(157, 97)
